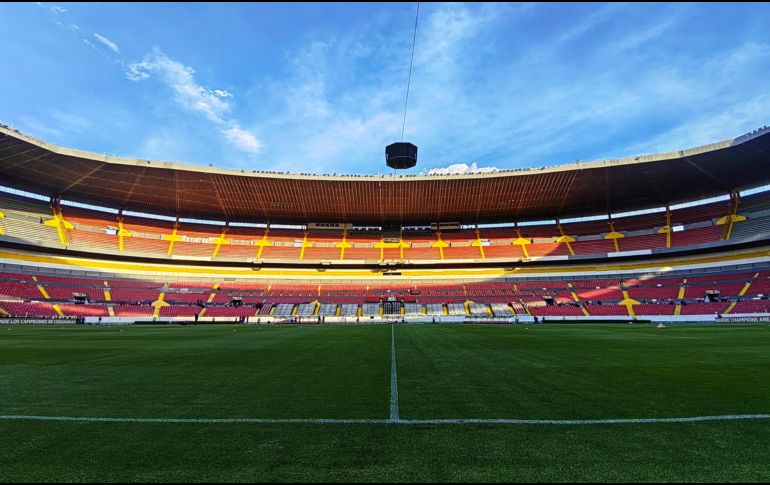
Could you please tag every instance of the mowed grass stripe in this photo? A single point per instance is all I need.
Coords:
(582, 372)
(197, 372)
(123, 452)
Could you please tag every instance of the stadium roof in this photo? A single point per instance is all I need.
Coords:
(570, 190)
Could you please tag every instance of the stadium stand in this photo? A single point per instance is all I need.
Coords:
(530, 239)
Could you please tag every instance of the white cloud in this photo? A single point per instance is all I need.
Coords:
(108, 43)
(461, 168)
(242, 139)
(57, 9)
(195, 97)
(181, 79)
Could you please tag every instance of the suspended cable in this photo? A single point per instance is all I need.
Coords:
(411, 61)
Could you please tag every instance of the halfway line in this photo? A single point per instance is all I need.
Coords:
(398, 422)
(394, 418)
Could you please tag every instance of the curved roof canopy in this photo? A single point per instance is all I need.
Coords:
(571, 190)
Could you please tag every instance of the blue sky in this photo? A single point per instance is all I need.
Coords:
(320, 87)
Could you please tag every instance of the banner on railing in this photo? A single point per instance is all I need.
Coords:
(748, 319)
(39, 321)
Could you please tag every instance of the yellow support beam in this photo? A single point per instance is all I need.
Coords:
(220, 241)
(202, 312)
(111, 311)
(576, 298)
(565, 239)
(745, 288)
(731, 218)
(614, 235)
(743, 291)
(172, 238)
(630, 310)
(58, 310)
(158, 304)
(107, 295)
(61, 225)
(382, 245)
(478, 243)
(440, 244)
(680, 297)
(211, 297)
(526, 308)
(2, 229)
(122, 233)
(344, 244)
(401, 243)
(680, 294)
(4, 312)
(520, 241)
(667, 228)
(263, 243)
(467, 305)
(305, 244)
(629, 303)
(43, 292)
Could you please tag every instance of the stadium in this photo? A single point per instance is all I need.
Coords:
(677, 238)
(269, 307)
(673, 237)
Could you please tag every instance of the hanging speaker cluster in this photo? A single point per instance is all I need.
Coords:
(401, 155)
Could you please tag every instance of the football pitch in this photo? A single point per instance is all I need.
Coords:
(385, 403)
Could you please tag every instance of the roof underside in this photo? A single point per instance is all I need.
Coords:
(229, 195)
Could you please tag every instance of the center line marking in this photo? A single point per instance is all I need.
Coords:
(394, 418)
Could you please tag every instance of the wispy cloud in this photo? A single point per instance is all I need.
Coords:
(195, 97)
(54, 9)
(108, 43)
(242, 139)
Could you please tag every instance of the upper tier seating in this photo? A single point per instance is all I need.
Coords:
(97, 232)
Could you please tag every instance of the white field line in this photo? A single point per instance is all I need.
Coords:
(399, 422)
(393, 377)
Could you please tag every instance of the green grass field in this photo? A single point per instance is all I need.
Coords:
(560, 372)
